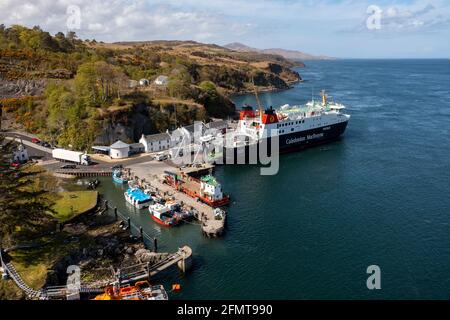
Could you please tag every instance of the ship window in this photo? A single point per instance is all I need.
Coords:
(292, 129)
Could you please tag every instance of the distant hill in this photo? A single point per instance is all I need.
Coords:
(287, 54)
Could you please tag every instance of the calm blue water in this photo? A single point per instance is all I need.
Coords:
(379, 196)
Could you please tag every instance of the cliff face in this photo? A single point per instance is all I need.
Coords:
(21, 87)
(127, 126)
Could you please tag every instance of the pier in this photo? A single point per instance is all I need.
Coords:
(80, 173)
(211, 227)
(129, 275)
(182, 258)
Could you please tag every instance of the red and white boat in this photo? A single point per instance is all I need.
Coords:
(163, 215)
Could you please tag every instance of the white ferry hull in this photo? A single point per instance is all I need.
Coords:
(290, 142)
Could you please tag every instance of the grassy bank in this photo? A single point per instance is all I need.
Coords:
(68, 205)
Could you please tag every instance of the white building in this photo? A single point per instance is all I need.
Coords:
(155, 142)
(132, 84)
(119, 150)
(161, 81)
(20, 154)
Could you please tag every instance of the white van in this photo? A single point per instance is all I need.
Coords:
(161, 157)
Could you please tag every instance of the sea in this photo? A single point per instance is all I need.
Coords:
(380, 196)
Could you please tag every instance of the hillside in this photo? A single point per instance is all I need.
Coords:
(75, 92)
(228, 69)
(287, 54)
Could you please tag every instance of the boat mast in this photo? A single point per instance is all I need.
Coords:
(258, 102)
(324, 98)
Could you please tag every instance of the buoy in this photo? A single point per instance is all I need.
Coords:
(176, 287)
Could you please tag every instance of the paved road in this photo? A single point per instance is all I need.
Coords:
(45, 154)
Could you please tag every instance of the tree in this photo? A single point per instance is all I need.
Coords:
(215, 103)
(64, 44)
(98, 82)
(23, 208)
(179, 89)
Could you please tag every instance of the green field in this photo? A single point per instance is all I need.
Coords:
(68, 205)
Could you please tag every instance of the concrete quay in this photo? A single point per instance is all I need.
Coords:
(152, 174)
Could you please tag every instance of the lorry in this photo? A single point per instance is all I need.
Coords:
(71, 156)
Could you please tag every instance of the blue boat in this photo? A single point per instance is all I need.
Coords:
(118, 177)
(138, 198)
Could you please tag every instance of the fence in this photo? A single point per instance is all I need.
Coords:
(149, 242)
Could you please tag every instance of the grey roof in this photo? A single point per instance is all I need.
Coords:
(191, 127)
(119, 145)
(157, 137)
(136, 145)
(162, 78)
(101, 148)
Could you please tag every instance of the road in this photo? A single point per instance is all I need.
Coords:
(45, 154)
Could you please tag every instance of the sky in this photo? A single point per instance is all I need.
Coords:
(343, 29)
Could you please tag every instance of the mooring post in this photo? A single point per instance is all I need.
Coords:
(115, 213)
(141, 232)
(155, 245)
(129, 223)
(106, 205)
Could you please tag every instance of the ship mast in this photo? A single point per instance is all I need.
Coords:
(258, 102)
(324, 97)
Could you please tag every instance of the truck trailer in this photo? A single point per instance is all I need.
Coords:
(71, 156)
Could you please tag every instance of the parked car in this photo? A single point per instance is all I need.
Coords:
(35, 140)
(68, 166)
(15, 164)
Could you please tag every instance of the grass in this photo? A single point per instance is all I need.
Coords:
(33, 264)
(68, 205)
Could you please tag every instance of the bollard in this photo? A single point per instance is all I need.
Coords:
(129, 223)
(115, 214)
(155, 245)
(141, 232)
(106, 205)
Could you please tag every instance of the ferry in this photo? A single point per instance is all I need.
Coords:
(163, 215)
(140, 291)
(138, 198)
(297, 127)
(119, 177)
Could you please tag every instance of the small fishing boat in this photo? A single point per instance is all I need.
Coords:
(119, 177)
(140, 291)
(163, 215)
(138, 198)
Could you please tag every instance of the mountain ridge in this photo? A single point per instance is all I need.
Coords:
(287, 54)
